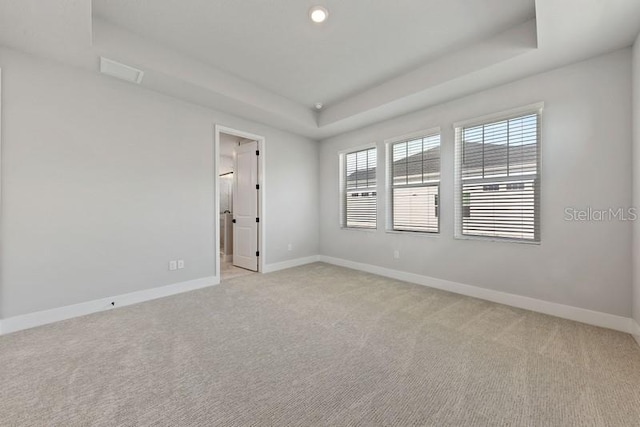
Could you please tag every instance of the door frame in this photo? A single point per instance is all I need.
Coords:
(218, 129)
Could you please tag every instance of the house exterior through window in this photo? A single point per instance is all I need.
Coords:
(415, 184)
(498, 178)
(360, 189)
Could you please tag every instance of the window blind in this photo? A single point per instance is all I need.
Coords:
(498, 179)
(360, 189)
(415, 186)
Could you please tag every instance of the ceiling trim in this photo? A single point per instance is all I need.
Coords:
(556, 37)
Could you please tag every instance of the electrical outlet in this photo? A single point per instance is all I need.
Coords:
(290, 247)
(173, 265)
(396, 254)
(180, 264)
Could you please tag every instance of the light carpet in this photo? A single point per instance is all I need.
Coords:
(319, 345)
(229, 271)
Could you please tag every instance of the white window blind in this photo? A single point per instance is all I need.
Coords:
(415, 184)
(360, 193)
(498, 179)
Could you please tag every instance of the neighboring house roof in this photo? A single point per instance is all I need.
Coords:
(494, 155)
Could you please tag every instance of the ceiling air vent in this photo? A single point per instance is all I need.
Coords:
(120, 71)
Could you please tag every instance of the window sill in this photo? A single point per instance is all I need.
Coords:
(413, 233)
(498, 240)
(361, 229)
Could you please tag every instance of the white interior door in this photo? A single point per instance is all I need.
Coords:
(245, 207)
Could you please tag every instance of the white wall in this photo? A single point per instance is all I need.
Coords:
(104, 182)
(636, 178)
(586, 162)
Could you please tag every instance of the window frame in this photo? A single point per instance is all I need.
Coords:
(342, 183)
(537, 109)
(389, 143)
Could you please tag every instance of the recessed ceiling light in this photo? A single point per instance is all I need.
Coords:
(318, 14)
(318, 105)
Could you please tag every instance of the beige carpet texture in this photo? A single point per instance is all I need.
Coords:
(319, 345)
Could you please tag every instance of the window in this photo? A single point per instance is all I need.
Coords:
(497, 173)
(360, 193)
(415, 184)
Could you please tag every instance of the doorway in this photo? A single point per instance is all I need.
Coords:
(239, 185)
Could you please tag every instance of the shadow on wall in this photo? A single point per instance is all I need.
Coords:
(226, 184)
(226, 207)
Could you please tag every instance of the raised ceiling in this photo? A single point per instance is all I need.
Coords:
(273, 43)
(371, 61)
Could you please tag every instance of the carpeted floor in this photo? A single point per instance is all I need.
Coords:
(230, 271)
(318, 345)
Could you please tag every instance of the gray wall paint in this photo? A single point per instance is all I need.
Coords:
(636, 177)
(104, 182)
(586, 162)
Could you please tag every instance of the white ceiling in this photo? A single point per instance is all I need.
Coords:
(49, 28)
(273, 43)
(371, 61)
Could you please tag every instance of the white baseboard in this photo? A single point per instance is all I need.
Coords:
(605, 320)
(268, 268)
(635, 330)
(30, 320)
(583, 315)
